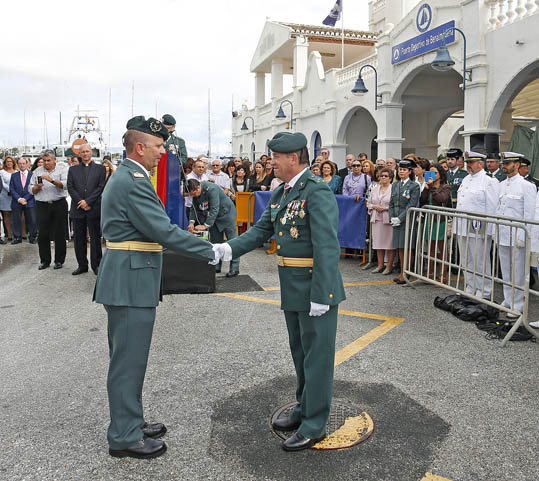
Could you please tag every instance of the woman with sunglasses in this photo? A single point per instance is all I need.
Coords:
(356, 183)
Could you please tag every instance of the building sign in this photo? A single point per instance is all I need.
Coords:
(423, 43)
(423, 18)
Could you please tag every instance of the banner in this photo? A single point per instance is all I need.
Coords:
(166, 181)
(352, 218)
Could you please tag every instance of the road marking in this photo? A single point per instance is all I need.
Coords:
(353, 348)
(346, 284)
(433, 477)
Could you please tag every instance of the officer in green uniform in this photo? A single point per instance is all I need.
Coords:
(174, 144)
(454, 174)
(303, 215)
(136, 228)
(213, 210)
(492, 165)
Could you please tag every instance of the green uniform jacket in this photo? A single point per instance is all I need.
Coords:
(305, 224)
(454, 180)
(132, 211)
(212, 201)
(176, 145)
(500, 176)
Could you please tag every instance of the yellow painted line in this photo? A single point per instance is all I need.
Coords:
(249, 298)
(354, 347)
(272, 288)
(346, 284)
(433, 477)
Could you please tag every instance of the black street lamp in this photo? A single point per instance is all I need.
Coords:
(244, 126)
(360, 89)
(281, 114)
(443, 61)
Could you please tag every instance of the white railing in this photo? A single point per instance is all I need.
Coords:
(349, 74)
(505, 12)
(377, 5)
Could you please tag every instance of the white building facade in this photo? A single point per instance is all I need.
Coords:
(419, 109)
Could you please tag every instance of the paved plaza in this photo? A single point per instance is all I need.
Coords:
(447, 403)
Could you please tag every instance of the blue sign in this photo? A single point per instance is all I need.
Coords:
(424, 18)
(423, 43)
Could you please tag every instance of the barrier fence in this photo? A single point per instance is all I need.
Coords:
(440, 240)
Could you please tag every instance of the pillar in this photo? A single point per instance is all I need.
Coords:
(301, 59)
(260, 89)
(389, 120)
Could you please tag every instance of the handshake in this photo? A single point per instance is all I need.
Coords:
(395, 221)
(223, 252)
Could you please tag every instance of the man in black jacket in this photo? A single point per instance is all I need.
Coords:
(85, 184)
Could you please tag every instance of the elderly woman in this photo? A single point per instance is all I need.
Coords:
(437, 192)
(356, 183)
(5, 196)
(404, 195)
(382, 232)
(329, 175)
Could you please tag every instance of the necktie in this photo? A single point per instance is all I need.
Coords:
(287, 189)
(23, 178)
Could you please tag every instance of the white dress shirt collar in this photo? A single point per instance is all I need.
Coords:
(292, 182)
(141, 166)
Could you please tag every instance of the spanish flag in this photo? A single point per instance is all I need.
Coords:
(166, 182)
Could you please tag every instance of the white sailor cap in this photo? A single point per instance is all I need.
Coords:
(511, 156)
(470, 156)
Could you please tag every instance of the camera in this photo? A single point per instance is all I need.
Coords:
(39, 179)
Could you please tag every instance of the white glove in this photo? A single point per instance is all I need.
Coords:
(318, 309)
(395, 221)
(218, 255)
(225, 251)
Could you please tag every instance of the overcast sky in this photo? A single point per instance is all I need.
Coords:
(58, 54)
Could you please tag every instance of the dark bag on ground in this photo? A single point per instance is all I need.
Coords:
(499, 329)
(466, 309)
(185, 275)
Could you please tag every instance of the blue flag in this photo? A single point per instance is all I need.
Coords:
(334, 15)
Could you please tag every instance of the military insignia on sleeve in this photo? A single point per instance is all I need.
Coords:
(155, 126)
(138, 175)
(294, 232)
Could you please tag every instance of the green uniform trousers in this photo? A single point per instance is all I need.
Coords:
(130, 335)
(312, 343)
(217, 237)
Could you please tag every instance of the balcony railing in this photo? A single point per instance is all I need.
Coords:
(505, 12)
(349, 74)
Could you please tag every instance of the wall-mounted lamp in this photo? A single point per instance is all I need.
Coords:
(281, 114)
(360, 89)
(443, 61)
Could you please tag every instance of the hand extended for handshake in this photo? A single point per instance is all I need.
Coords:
(223, 252)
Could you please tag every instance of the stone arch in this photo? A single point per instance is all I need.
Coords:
(343, 126)
(529, 73)
(316, 144)
(357, 130)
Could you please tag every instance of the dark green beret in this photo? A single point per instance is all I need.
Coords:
(168, 119)
(287, 142)
(151, 126)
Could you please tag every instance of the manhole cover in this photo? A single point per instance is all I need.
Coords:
(347, 425)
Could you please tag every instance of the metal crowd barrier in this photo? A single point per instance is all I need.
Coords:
(440, 240)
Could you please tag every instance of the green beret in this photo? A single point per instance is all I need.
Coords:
(151, 126)
(287, 142)
(168, 119)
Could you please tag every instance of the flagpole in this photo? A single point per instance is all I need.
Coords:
(342, 34)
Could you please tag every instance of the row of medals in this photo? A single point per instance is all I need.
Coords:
(295, 208)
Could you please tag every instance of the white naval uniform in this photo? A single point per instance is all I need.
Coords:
(477, 193)
(517, 198)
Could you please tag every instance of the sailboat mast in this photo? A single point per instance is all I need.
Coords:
(110, 108)
(209, 126)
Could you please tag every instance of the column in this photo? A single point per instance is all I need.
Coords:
(276, 79)
(301, 59)
(260, 89)
(390, 138)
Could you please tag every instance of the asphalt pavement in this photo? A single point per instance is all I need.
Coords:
(444, 399)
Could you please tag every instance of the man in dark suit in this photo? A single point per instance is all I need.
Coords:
(85, 184)
(342, 173)
(22, 201)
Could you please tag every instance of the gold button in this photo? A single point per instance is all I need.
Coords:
(148, 262)
(278, 247)
(331, 296)
(280, 234)
(293, 222)
(310, 271)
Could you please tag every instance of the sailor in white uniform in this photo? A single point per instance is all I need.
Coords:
(517, 198)
(477, 193)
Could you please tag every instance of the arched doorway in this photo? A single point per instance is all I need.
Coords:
(253, 153)
(241, 150)
(429, 97)
(316, 144)
(359, 131)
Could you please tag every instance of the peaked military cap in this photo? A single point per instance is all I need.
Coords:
(454, 153)
(511, 157)
(407, 164)
(151, 126)
(168, 119)
(287, 142)
(493, 155)
(525, 161)
(474, 156)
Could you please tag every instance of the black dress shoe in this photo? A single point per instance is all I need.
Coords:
(42, 266)
(232, 273)
(79, 270)
(217, 271)
(58, 265)
(33, 241)
(16, 241)
(297, 442)
(285, 424)
(154, 430)
(2, 242)
(147, 448)
(95, 270)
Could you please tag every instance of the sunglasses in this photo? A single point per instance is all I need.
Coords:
(384, 175)
(356, 165)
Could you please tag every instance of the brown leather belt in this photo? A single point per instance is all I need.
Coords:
(295, 261)
(138, 246)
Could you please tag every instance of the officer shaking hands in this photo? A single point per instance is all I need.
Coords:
(303, 215)
(136, 228)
